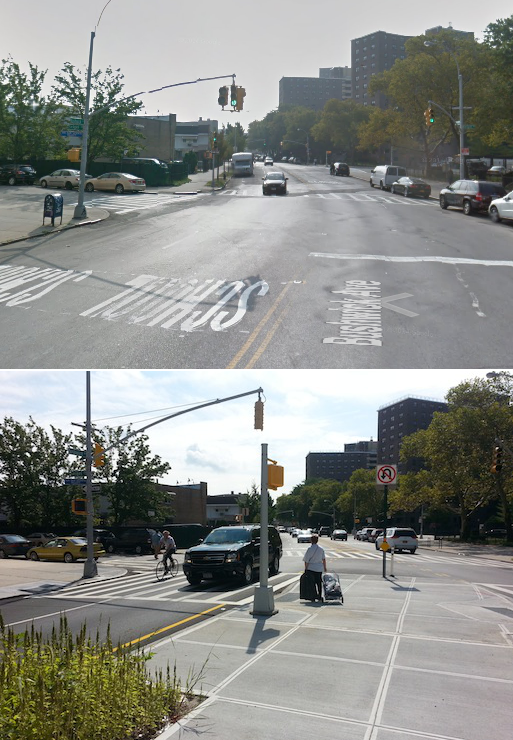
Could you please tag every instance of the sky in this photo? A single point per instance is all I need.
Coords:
(304, 411)
(160, 42)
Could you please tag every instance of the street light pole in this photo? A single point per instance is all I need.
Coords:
(307, 145)
(80, 210)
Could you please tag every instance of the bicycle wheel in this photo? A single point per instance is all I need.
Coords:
(160, 571)
(173, 567)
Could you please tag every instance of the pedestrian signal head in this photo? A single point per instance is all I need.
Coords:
(79, 506)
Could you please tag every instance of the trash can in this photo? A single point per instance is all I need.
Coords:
(53, 207)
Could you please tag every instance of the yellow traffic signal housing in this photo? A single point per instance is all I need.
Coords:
(259, 414)
(79, 506)
(98, 456)
(426, 117)
(74, 154)
(274, 477)
(496, 459)
(241, 94)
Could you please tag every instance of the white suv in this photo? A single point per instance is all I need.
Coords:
(399, 538)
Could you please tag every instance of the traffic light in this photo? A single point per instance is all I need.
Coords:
(79, 506)
(426, 116)
(233, 98)
(259, 414)
(241, 94)
(431, 116)
(274, 477)
(74, 154)
(98, 456)
(214, 140)
(223, 96)
(496, 459)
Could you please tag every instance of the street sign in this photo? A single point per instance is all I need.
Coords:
(75, 451)
(385, 546)
(386, 475)
(465, 150)
(96, 488)
(75, 481)
(77, 473)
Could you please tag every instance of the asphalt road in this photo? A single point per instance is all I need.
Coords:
(139, 609)
(334, 275)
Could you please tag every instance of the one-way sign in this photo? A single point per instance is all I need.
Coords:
(386, 475)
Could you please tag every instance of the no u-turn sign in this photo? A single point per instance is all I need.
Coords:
(386, 475)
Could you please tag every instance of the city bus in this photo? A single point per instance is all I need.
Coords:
(242, 163)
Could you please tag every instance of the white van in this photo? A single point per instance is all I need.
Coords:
(385, 175)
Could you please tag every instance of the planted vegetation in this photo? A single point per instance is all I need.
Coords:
(66, 687)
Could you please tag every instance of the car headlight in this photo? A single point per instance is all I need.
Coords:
(187, 557)
(230, 557)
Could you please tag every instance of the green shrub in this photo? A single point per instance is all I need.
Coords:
(63, 687)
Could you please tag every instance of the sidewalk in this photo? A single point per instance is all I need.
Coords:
(397, 661)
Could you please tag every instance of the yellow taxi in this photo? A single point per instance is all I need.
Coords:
(67, 549)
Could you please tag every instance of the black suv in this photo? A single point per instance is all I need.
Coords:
(340, 168)
(136, 539)
(471, 195)
(104, 536)
(12, 174)
(231, 552)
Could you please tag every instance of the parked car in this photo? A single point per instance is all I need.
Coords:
(294, 531)
(399, 538)
(135, 539)
(375, 534)
(231, 553)
(67, 179)
(339, 534)
(304, 535)
(15, 174)
(324, 531)
(385, 175)
(268, 161)
(67, 549)
(340, 168)
(497, 169)
(13, 544)
(364, 533)
(274, 182)
(497, 533)
(410, 186)
(501, 208)
(40, 538)
(119, 182)
(357, 534)
(284, 159)
(471, 195)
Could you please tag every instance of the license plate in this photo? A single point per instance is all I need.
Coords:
(207, 575)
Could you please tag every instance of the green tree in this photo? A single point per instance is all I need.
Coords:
(128, 477)
(191, 160)
(235, 139)
(109, 134)
(251, 500)
(30, 122)
(456, 448)
(339, 124)
(366, 498)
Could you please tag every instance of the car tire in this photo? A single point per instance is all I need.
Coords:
(467, 208)
(119, 189)
(406, 194)
(68, 186)
(43, 184)
(413, 551)
(392, 190)
(3, 554)
(247, 575)
(68, 557)
(193, 580)
(494, 215)
(275, 565)
(11, 181)
(138, 549)
(371, 183)
(89, 187)
(443, 203)
(376, 546)
(110, 548)
(381, 186)
(34, 556)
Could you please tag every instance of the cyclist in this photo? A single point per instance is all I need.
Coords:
(169, 545)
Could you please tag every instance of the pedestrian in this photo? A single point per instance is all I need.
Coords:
(315, 562)
(155, 543)
(168, 544)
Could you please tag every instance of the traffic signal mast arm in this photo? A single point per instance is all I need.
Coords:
(432, 102)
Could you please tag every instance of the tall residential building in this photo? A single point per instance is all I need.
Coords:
(371, 55)
(436, 29)
(341, 465)
(314, 92)
(398, 420)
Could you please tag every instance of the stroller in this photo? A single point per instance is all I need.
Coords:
(332, 588)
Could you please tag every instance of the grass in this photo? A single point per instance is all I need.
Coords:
(66, 687)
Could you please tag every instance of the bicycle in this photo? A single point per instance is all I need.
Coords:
(162, 572)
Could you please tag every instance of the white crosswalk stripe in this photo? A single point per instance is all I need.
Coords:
(128, 203)
(347, 197)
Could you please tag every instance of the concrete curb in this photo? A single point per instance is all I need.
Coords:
(55, 229)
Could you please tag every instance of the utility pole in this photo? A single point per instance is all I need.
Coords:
(263, 603)
(90, 567)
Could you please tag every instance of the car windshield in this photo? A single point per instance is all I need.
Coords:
(275, 176)
(14, 538)
(229, 536)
